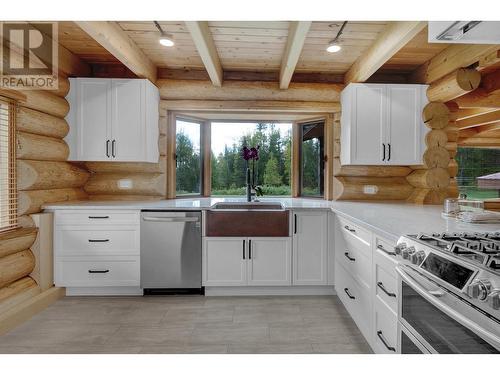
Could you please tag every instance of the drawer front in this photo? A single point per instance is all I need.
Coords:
(96, 217)
(357, 263)
(386, 288)
(355, 298)
(102, 241)
(385, 335)
(124, 271)
(354, 235)
(384, 254)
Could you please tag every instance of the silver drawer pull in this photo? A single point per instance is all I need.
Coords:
(171, 219)
(98, 217)
(348, 257)
(349, 229)
(349, 294)
(105, 240)
(381, 338)
(380, 247)
(98, 271)
(381, 286)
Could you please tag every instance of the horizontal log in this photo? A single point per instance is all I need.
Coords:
(427, 196)
(436, 157)
(17, 292)
(141, 183)
(368, 171)
(46, 102)
(482, 119)
(36, 122)
(42, 175)
(389, 188)
(434, 178)
(436, 115)
(479, 98)
(248, 90)
(436, 138)
(249, 105)
(457, 83)
(31, 201)
(479, 142)
(17, 240)
(16, 266)
(465, 113)
(111, 167)
(39, 147)
(62, 86)
(121, 197)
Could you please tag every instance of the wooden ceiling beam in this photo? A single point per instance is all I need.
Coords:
(111, 36)
(465, 113)
(450, 59)
(479, 98)
(202, 38)
(482, 119)
(391, 40)
(297, 33)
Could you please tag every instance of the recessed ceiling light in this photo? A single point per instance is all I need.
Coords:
(165, 39)
(333, 47)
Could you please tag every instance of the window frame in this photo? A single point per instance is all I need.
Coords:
(12, 194)
(203, 172)
(300, 171)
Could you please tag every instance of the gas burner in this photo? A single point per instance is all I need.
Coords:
(480, 248)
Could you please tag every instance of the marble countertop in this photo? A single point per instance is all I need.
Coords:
(389, 219)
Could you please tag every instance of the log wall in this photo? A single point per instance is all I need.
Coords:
(43, 176)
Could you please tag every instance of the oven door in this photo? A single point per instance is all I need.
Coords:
(437, 321)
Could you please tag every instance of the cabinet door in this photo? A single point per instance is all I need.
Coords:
(269, 261)
(93, 119)
(367, 124)
(310, 250)
(129, 120)
(224, 261)
(404, 125)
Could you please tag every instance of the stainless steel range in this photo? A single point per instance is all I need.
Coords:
(449, 288)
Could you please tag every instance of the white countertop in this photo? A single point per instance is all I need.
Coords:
(390, 219)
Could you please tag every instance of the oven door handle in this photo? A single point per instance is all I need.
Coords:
(432, 296)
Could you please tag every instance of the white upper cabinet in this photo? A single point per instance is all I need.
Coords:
(382, 124)
(113, 120)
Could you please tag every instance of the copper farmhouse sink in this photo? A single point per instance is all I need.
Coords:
(252, 219)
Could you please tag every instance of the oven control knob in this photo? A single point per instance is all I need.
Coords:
(399, 247)
(479, 289)
(494, 300)
(405, 253)
(417, 257)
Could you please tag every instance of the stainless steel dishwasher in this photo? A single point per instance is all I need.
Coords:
(171, 252)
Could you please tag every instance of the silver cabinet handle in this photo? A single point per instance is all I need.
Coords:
(381, 338)
(380, 247)
(171, 219)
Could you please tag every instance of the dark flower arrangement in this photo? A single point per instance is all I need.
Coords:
(252, 154)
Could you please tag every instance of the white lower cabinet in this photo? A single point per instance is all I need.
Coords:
(97, 249)
(241, 261)
(310, 248)
(366, 283)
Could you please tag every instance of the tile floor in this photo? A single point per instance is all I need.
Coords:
(190, 324)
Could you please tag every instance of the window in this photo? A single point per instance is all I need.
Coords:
(271, 172)
(8, 191)
(188, 155)
(479, 172)
(312, 161)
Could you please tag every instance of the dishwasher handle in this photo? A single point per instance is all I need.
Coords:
(171, 219)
